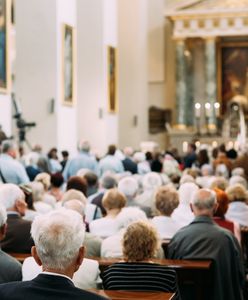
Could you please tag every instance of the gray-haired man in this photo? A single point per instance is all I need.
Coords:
(203, 239)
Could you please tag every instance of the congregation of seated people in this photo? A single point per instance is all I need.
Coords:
(65, 213)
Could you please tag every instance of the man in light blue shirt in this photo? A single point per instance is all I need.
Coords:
(11, 169)
(82, 161)
(110, 162)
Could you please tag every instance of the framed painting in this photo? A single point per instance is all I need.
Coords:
(5, 16)
(232, 71)
(68, 65)
(112, 79)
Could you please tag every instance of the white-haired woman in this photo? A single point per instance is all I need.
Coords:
(183, 214)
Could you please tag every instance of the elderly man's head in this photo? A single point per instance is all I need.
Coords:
(12, 198)
(58, 238)
(204, 203)
(128, 186)
(9, 148)
(75, 205)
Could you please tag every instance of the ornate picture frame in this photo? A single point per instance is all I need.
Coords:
(112, 79)
(5, 72)
(68, 65)
(232, 71)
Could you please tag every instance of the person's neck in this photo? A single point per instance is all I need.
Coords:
(113, 212)
(68, 272)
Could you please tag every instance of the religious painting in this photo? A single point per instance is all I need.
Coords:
(233, 72)
(112, 79)
(68, 65)
(5, 14)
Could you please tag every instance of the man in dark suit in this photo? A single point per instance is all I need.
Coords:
(203, 239)
(10, 268)
(128, 163)
(58, 238)
(18, 238)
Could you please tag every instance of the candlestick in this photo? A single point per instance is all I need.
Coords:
(197, 110)
(207, 109)
(217, 109)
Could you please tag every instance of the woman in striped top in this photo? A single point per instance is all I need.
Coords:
(137, 272)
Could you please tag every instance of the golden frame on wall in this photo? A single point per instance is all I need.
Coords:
(112, 79)
(68, 65)
(232, 71)
(5, 19)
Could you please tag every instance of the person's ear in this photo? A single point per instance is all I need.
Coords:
(36, 256)
(216, 205)
(80, 257)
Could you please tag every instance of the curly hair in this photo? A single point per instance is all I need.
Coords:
(140, 242)
(166, 200)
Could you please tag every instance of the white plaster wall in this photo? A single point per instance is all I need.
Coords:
(66, 115)
(133, 66)
(36, 73)
(5, 113)
(90, 71)
(156, 55)
(156, 59)
(110, 39)
(96, 29)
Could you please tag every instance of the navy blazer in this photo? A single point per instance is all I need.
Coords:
(46, 287)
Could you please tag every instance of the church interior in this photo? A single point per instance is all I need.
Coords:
(123, 149)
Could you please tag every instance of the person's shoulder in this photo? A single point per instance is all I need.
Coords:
(9, 260)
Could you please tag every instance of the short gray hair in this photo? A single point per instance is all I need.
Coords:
(75, 205)
(73, 195)
(9, 194)
(108, 181)
(129, 215)
(7, 145)
(84, 146)
(128, 186)
(3, 215)
(204, 199)
(58, 237)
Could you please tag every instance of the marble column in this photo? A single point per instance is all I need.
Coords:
(210, 72)
(181, 89)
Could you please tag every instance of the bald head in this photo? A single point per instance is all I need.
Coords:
(204, 202)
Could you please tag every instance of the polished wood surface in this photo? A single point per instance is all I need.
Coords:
(173, 263)
(122, 295)
(20, 256)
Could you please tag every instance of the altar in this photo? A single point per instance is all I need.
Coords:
(211, 49)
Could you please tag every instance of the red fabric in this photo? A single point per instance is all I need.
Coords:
(224, 223)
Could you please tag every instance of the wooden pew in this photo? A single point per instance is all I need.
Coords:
(20, 256)
(192, 274)
(122, 295)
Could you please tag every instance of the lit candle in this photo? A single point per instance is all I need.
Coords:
(217, 109)
(197, 110)
(207, 109)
